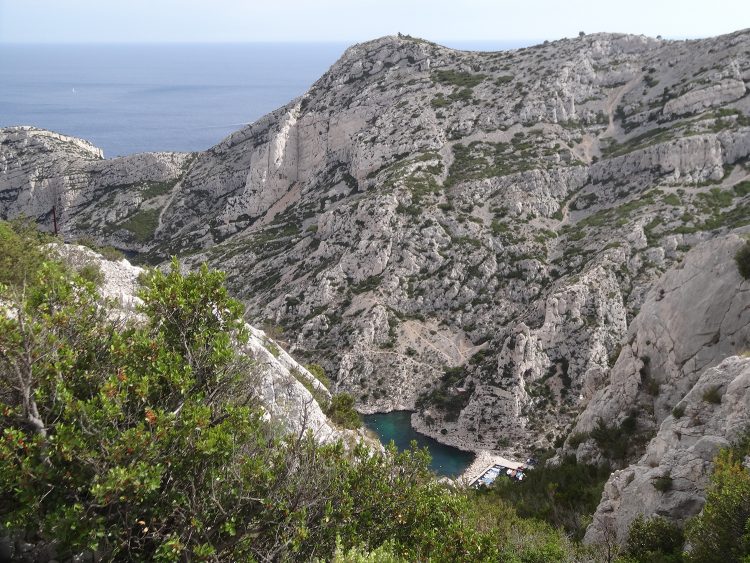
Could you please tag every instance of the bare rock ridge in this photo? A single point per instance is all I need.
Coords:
(694, 316)
(529, 248)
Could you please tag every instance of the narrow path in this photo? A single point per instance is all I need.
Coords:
(614, 100)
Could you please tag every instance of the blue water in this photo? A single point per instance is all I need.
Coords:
(396, 426)
(133, 98)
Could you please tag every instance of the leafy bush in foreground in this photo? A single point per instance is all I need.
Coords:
(144, 442)
(655, 539)
(723, 527)
(341, 411)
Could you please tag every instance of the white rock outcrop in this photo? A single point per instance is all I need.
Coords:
(696, 315)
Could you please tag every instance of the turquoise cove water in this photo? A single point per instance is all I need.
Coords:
(446, 460)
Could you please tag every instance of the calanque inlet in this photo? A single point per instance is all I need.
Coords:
(536, 259)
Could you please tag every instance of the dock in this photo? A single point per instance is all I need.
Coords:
(488, 466)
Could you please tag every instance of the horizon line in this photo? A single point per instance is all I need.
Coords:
(530, 41)
(251, 42)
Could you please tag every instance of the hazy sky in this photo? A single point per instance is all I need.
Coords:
(53, 21)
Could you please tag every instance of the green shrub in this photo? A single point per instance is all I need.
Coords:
(721, 530)
(743, 260)
(463, 94)
(439, 101)
(271, 346)
(21, 255)
(386, 553)
(577, 439)
(654, 539)
(152, 446)
(107, 252)
(653, 387)
(319, 395)
(564, 495)
(151, 190)
(142, 224)
(110, 253)
(742, 188)
(92, 272)
(712, 395)
(341, 411)
(446, 398)
(678, 411)
(610, 439)
(456, 78)
(319, 373)
(368, 284)
(662, 484)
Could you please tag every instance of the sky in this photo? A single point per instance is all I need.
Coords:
(211, 21)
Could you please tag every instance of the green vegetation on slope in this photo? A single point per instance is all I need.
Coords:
(743, 260)
(480, 159)
(145, 442)
(150, 190)
(564, 495)
(447, 396)
(724, 524)
(20, 252)
(142, 224)
(655, 539)
(457, 78)
(722, 527)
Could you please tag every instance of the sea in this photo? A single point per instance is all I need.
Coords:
(395, 426)
(129, 98)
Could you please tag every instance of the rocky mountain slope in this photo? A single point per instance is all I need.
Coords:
(671, 478)
(471, 234)
(678, 392)
(695, 315)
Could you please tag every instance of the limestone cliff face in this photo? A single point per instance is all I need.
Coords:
(115, 200)
(680, 456)
(679, 376)
(470, 234)
(695, 315)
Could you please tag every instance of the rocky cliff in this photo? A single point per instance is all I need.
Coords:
(694, 316)
(472, 234)
(680, 389)
(671, 478)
